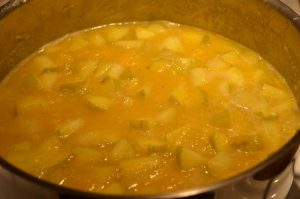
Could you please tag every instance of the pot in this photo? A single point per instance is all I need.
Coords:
(268, 27)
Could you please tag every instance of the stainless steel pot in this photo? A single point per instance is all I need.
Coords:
(268, 27)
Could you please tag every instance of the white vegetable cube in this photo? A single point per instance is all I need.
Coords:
(70, 127)
(116, 33)
(193, 37)
(143, 33)
(235, 76)
(144, 91)
(42, 63)
(219, 164)
(231, 57)
(157, 28)
(247, 142)
(74, 85)
(48, 80)
(271, 92)
(153, 146)
(115, 70)
(141, 123)
(121, 150)
(250, 57)
(188, 159)
(219, 141)
(78, 44)
(198, 76)
(172, 43)
(272, 133)
(166, 116)
(130, 44)
(99, 102)
(87, 68)
(96, 39)
(177, 136)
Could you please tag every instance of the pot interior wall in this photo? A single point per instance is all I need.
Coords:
(253, 23)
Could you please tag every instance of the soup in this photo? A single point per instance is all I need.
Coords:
(143, 108)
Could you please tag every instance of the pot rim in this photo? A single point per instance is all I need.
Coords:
(292, 143)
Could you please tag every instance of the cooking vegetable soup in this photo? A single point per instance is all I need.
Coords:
(143, 108)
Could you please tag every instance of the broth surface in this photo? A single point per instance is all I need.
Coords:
(143, 108)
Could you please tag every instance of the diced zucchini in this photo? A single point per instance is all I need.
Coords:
(115, 70)
(139, 166)
(122, 150)
(141, 124)
(284, 106)
(272, 133)
(192, 37)
(48, 80)
(177, 136)
(143, 33)
(85, 155)
(50, 153)
(78, 44)
(181, 95)
(221, 119)
(42, 63)
(87, 68)
(198, 76)
(172, 43)
(188, 97)
(219, 141)
(96, 39)
(225, 88)
(70, 127)
(271, 92)
(235, 76)
(99, 102)
(113, 188)
(74, 85)
(110, 85)
(116, 33)
(247, 142)
(156, 28)
(217, 63)
(166, 116)
(231, 57)
(219, 164)
(144, 91)
(153, 146)
(188, 159)
(129, 44)
(102, 70)
(250, 57)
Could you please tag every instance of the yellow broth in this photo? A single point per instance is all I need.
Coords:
(143, 108)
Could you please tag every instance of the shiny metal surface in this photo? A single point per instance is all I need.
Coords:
(268, 27)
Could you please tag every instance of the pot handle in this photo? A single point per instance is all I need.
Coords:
(294, 4)
(297, 168)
